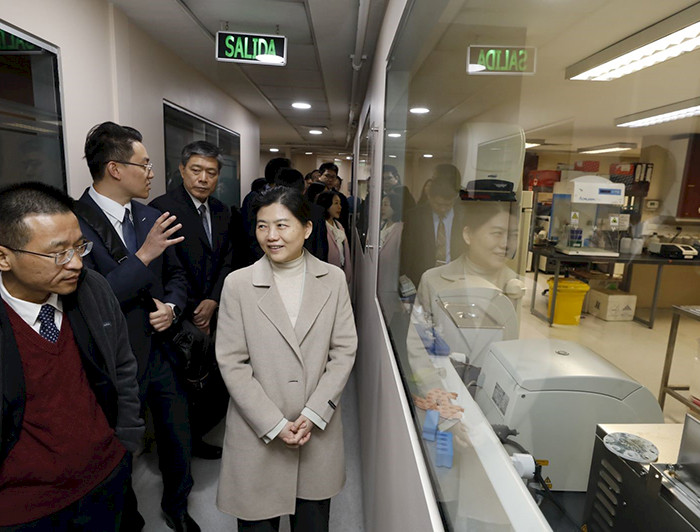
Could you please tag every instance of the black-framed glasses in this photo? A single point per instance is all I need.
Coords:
(62, 257)
(147, 166)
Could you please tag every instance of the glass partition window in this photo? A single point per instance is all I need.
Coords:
(523, 230)
(183, 127)
(31, 124)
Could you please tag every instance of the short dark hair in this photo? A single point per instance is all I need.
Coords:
(310, 175)
(289, 177)
(26, 199)
(313, 190)
(109, 142)
(445, 181)
(325, 200)
(391, 169)
(203, 149)
(328, 166)
(396, 202)
(289, 197)
(258, 184)
(273, 166)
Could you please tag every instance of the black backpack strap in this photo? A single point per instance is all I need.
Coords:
(99, 223)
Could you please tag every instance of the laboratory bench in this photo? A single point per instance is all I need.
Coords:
(557, 259)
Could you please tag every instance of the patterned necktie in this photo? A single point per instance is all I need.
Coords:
(48, 329)
(129, 233)
(203, 214)
(441, 244)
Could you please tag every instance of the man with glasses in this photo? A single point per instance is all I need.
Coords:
(69, 414)
(133, 250)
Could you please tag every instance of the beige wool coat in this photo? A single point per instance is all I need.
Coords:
(272, 371)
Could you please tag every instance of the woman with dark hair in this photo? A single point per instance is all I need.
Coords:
(285, 344)
(390, 216)
(338, 245)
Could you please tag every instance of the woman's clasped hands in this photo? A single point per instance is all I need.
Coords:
(298, 433)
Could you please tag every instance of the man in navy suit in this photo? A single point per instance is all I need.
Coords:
(132, 250)
(215, 244)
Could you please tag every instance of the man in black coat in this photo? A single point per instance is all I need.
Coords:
(439, 221)
(133, 250)
(214, 246)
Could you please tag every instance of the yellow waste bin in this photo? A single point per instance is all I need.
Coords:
(570, 295)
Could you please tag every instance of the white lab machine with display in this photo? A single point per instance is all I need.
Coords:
(554, 393)
(586, 216)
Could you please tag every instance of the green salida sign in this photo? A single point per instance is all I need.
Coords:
(251, 48)
(501, 60)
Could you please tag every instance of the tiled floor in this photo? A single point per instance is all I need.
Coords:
(631, 346)
(346, 507)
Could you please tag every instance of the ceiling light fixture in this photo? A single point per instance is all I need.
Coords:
(349, 158)
(308, 153)
(301, 105)
(475, 67)
(659, 115)
(609, 148)
(392, 156)
(274, 150)
(668, 38)
(419, 110)
(315, 132)
(394, 135)
(428, 155)
(270, 59)
(532, 144)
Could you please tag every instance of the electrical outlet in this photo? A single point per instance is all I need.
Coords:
(652, 204)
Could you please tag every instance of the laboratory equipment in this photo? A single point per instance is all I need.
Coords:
(554, 393)
(586, 216)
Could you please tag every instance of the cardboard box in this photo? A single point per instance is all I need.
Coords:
(611, 305)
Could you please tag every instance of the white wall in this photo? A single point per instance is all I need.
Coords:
(112, 70)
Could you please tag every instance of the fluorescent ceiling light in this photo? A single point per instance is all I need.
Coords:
(668, 38)
(659, 115)
(336, 160)
(349, 158)
(394, 135)
(428, 155)
(419, 110)
(475, 67)
(308, 153)
(274, 150)
(270, 59)
(609, 148)
(392, 156)
(533, 143)
(301, 105)
(315, 132)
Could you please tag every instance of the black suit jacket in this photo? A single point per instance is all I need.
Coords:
(418, 241)
(132, 281)
(206, 265)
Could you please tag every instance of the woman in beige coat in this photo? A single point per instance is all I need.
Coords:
(285, 344)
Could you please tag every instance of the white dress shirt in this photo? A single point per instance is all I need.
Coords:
(29, 311)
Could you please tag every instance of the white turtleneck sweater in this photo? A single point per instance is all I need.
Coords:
(289, 280)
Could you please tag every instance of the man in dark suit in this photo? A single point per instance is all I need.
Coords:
(132, 250)
(214, 246)
(432, 232)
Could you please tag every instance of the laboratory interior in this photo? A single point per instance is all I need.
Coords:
(523, 185)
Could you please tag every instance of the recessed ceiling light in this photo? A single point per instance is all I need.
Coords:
(419, 110)
(274, 150)
(301, 105)
(475, 67)
(349, 158)
(308, 153)
(428, 155)
(392, 156)
(394, 135)
(315, 132)
(336, 160)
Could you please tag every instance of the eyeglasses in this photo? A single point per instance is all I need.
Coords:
(147, 166)
(62, 257)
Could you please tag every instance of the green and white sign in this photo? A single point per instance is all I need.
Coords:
(501, 60)
(255, 49)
